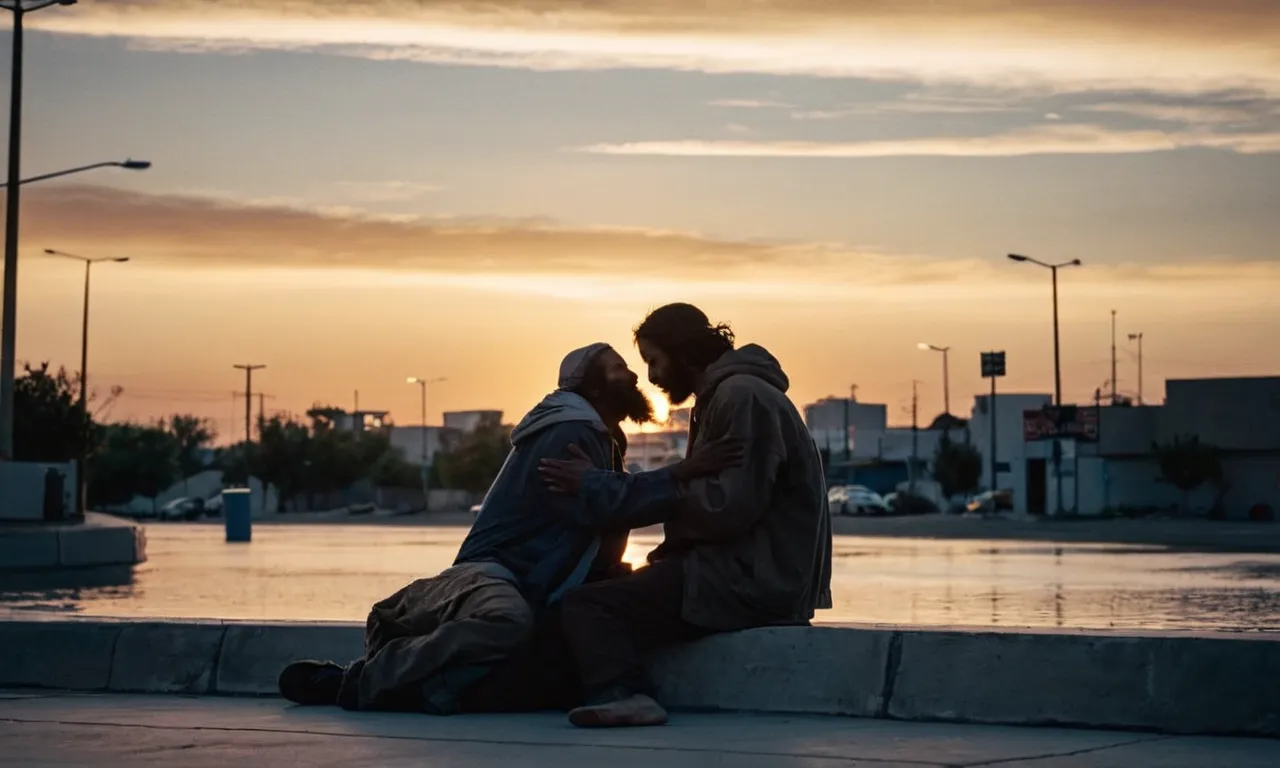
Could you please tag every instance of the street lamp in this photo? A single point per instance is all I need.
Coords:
(84, 362)
(8, 341)
(946, 375)
(128, 165)
(1057, 357)
(84, 329)
(1057, 362)
(1138, 338)
(423, 383)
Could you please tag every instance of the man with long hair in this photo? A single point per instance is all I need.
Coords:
(750, 545)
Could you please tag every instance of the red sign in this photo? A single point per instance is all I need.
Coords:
(1060, 421)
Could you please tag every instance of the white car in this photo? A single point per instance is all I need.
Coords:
(856, 500)
(181, 509)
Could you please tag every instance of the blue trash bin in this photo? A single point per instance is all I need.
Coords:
(236, 514)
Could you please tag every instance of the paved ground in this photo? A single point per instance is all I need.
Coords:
(49, 729)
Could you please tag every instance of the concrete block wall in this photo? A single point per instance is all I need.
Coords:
(1167, 682)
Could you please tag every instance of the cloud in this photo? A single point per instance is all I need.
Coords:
(384, 191)
(749, 104)
(1044, 140)
(208, 232)
(531, 256)
(1176, 45)
(1209, 112)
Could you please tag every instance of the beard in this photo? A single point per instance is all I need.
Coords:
(626, 399)
(679, 388)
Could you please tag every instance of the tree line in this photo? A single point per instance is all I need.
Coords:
(302, 458)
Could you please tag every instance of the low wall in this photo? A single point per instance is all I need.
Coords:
(99, 540)
(1169, 682)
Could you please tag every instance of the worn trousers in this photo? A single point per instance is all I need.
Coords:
(610, 626)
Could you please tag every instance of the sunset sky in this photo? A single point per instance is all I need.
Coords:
(355, 192)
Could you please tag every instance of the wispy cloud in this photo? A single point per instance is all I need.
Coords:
(1207, 112)
(188, 232)
(749, 104)
(390, 191)
(1045, 140)
(1177, 45)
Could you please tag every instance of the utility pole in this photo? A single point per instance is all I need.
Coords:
(261, 412)
(1138, 338)
(1114, 393)
(915, 432)
(845, 434)
(248, 397)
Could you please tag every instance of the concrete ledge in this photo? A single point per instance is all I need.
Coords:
(253, 654)
(1168, 682)
(99, 540)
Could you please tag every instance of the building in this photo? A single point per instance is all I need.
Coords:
(409, 441)
(653, 450)
(831, 419)
(1240, 417)
(1013, 466)
(470, 421)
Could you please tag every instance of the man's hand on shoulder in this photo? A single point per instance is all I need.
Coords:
(565, 475)
(709, 459)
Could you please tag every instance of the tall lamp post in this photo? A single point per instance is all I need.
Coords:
(1057, 355)
(84, 361)
(1138, 338)
(8, 341)
(946, 375)
(423, 383)
(129, 165)
(1057, 361)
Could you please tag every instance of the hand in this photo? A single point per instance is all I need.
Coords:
(565, 475)
(709, 459)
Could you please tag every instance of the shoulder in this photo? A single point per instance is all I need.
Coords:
(557, 437)
(742, 389)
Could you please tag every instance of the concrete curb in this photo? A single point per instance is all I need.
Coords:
(1168, 682)
(99, 540)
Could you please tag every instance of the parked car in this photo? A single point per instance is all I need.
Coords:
(183, 508)
(989, 502)
(213, 506)
(907, 503)
(855, 500)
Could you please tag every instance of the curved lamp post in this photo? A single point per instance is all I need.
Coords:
(130, 165)
(946, 374)
(8, 339)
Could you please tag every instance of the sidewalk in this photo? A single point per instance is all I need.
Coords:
(56, 729)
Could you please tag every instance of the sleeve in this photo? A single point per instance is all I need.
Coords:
(609, 501)
(726, 505)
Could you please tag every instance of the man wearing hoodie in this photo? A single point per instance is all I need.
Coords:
(750, 545)
(469, 638)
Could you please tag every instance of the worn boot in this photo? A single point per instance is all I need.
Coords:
(311, 683)
(632, 711)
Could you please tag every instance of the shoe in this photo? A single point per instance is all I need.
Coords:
(634, 711)
(311, 683)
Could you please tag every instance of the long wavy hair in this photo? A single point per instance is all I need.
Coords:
(686, 334)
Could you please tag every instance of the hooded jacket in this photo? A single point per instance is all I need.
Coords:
(552, 542)
(755, 540)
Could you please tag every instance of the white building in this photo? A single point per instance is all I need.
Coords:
(470, 421)
(1010, 450)
(1240, 417)
(409, 441)
(831, 419)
